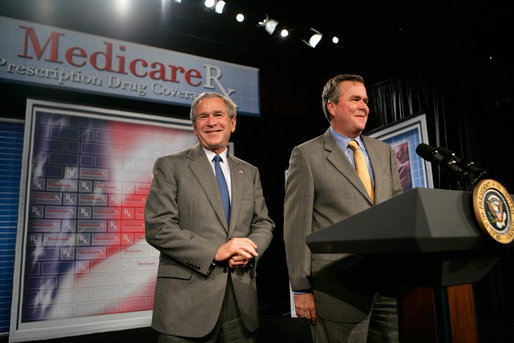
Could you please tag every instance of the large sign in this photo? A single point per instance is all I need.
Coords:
(50, 56)
(82, 262)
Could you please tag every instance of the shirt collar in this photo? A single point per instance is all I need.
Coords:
(343, 141)
(210, 154)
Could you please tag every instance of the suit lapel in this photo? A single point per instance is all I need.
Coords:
(202, 170)
(339, 160)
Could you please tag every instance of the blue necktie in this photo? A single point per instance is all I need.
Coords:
(222, 184)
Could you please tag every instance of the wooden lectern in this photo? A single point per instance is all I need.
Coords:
(428, 243)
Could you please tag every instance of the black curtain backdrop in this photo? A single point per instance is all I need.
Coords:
(468, 111)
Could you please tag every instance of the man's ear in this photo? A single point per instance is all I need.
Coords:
(233, 124)
(331, 107)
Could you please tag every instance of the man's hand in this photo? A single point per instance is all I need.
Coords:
(237, 251)
(237, 261)
(305, 307)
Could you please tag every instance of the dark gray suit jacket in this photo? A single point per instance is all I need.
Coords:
(185, 221)
(322, 189)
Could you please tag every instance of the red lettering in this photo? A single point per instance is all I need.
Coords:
(174, 72)
(70, 53)
(102, 60)
(121, 61)
(132, 67)
(158, 73)
(53, 38)
(193, 73)
(107, 55)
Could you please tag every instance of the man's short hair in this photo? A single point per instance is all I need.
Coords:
(332, 90)
(231, 107)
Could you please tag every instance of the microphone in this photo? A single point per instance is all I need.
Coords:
(464, 164)
(432, 154)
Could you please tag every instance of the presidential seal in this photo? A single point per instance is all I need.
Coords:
(493, 210)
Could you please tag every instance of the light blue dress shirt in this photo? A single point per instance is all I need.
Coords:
(343, 141)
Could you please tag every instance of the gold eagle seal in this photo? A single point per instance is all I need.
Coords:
(493, 208)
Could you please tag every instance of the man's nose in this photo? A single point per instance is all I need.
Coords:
(211, 121)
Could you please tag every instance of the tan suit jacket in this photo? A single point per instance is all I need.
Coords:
(322, 189)
(185, 221)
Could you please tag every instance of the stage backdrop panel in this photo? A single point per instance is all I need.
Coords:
(11, 145)
(82, 262)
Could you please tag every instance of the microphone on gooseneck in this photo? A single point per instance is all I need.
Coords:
(466, 165)
(432, 154)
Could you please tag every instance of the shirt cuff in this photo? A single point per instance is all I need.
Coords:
(303, 291)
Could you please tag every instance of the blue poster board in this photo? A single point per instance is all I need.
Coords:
(11, 147)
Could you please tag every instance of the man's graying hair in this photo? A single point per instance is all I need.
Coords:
(332, 90)
(231, 107)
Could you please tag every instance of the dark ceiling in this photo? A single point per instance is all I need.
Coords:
(378, 38)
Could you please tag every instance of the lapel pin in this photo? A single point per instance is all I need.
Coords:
(241, 172)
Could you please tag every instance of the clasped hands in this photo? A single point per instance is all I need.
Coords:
(237, 252)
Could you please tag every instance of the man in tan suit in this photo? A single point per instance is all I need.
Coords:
(323, 188)
(206, 287)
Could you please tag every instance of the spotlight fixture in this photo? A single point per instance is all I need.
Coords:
(220, 5)
(315, 38)
(269, 24)
(335, 39)
(240, 17)
(209, 3)
(284, 33)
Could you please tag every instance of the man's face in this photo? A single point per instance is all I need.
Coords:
(213, 125)
(350, 114)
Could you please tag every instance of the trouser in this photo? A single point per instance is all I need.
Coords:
(381, 326)
(229, 327)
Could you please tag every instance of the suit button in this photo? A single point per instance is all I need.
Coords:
(225, 269)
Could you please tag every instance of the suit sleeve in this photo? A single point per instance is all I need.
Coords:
(262, 226)
(298, 209)
(163, 230)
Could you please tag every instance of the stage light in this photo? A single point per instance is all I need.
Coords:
(269, 24)
(178, 1)
(165, 10)
(315, 38)
(240, 17)
(209, 3)
(220, 5)
(335, 40)
(284, 33)
(165, 5)
(122, 6)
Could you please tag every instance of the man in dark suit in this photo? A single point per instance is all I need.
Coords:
(206, 214)
(323, 188)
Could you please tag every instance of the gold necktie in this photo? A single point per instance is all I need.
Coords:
(362, 169)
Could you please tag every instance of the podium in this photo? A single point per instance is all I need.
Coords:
(427, 246)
